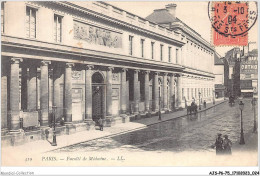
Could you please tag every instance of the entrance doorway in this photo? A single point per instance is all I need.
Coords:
(98, 98)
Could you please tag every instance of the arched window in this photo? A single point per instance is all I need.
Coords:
(97, 78)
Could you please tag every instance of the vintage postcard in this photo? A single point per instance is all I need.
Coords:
(93, 83)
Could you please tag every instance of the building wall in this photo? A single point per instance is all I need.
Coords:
(195, 53)
(219, 74)
(65, 69)
(45, 31)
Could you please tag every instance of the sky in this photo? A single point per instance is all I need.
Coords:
(194, 14)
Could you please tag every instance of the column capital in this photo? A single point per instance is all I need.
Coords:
(45, 62)
(136, 71)
(178, 75)
(110, 68)
(89, 67)
(16, 60)
(165, 74)
(171, 74)
(69, 65)
(156, 73)
(146, 71)
(124, 69)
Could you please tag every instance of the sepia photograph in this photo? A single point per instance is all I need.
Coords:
(130, 83)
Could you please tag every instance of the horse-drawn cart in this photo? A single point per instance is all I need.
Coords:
(193, 108)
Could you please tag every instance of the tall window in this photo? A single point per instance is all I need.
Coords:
(195, 92)
(192, 93)
(142, 47)
(30, 22)
(169, 54)
(161, 51)
(2, 16)
(152, 50)
(177, 53)
(57, 28)
(131, 45)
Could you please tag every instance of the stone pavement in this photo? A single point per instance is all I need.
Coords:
(42, 146)
(251, 143)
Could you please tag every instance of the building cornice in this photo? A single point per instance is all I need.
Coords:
(146, 27)
(180, 26)
(28, 45)
(194, 71)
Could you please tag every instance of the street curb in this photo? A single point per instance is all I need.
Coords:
(135, 129)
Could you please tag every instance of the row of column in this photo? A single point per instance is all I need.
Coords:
(166, 100)
(44, 91)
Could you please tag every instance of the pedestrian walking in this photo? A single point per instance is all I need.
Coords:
(204, 104)
(193, 100)
(219, 144)
(100, 122)
(227, 144)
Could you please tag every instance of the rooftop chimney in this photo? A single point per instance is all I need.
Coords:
(171, 9)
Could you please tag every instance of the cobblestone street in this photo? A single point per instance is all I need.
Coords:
(189, 133)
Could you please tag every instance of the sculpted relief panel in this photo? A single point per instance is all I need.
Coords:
(96, 35)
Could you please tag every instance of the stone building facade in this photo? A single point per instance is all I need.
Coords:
(219, 76)
(197, 56)
(249, 71)
(232, 72)
(92, 60)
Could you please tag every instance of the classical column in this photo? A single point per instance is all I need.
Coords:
(179, 90)
(123, 91)
(172, 92)
(24, 89)
(156, 92)
(56, 88)
(44, 93)
(14, 94)
(109, 92)
(50, 89)
(146, 91)
(136, 92)
(4, 75)
(68, 93)
(165, 95)
(32, 87)
(88, 92)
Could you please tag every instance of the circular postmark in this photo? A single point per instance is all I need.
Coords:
(232, 18)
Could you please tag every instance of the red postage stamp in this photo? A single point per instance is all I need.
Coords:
(231, 22)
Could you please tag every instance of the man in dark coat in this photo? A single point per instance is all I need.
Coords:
(219, 144)
(227, 144)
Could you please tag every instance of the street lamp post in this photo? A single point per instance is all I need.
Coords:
(253, 104)
(213, 96)
(199, 101)
(54, 143)
(160, 114)
(242, 140)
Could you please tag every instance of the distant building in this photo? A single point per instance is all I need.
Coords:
(232, 72)
(219, 76)
(197, 55)
(240, 71)
(248, 71)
